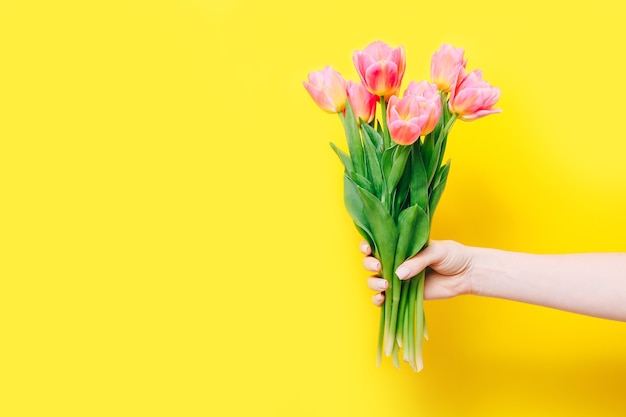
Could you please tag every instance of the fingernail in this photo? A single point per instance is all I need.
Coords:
(365, 247)
(383, 285)
(376, 266)
(402, 272)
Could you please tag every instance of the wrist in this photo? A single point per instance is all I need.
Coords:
(474, 276)
(484, 266)
(498, 273)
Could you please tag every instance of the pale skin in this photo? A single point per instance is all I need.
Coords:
(593, 284)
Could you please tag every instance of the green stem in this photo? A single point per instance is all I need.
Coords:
(389, 276)
(410, 343)
(353, 137)
(445, 112)
(394, 300)
(405, 328)
(446, 128)
(440, 148)
(451, 122)
(383, 115)
(381, 337)
(395, 356)
(394, 295)
(419, 320)
(404, 292)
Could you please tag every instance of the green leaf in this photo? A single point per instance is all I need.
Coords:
(366, 235)
(413, 231)
(382, 227)
(362, 181)
(374, 136)
(372, 159)
(437, 192)
(440, 149)
(353, 136)
(419, 180)
(379, 129)
(400, 156)
(442, 174)
(428, 150)
(401, 199)
(433, 162)
(344, 157)
(387, 161)
(354, 206)
(435, 197)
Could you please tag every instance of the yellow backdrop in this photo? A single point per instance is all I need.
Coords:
(174, 241)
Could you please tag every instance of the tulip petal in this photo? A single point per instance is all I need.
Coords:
(479, 114)
(361, 62)
(473, 98)
(382, 78)
(403, 132)
(378, 50)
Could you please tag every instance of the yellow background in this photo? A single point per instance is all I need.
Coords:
(173, 236)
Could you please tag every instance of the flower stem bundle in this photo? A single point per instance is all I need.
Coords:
(394, 174)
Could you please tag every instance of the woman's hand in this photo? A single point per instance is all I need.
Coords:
(449, 270)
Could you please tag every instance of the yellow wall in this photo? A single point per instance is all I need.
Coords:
(173, 236)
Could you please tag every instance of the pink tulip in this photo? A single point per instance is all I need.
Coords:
(410, 117)
(430, 93)
(362, 101)
(423, 89)
(446, 66)
(328, 89)
(381, 68)
(472, 97)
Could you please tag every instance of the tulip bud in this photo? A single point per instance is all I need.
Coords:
(410, 117)
(381, 68)
(328, 89)
(362, 101)
(446, 66)
(472, 97)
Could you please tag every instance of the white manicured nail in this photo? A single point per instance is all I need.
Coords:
(402, 272)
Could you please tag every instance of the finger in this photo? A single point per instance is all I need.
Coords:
(365, 248)
(419, 262)
(377, 284)
(378, 299)
(371, 264)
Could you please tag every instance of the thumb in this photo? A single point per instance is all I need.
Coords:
(432, 254)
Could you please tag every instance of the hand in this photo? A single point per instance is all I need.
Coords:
(449, 270)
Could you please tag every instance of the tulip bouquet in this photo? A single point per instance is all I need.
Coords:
(394, 173)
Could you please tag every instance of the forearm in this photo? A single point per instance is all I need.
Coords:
(592, 284)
